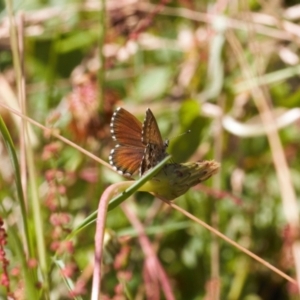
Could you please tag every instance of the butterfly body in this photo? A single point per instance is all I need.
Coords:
(139, 146)
(152, 156)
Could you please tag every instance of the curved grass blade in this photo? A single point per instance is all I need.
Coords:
(31, 278)
(123, 196)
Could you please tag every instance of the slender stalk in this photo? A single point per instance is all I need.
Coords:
(17, 49)
(233, 243)
(101, 72)
(155, 269)
(56, 135)
(22, 103)
(21, 246)
(38, 220)
(14, 41)
(17, 67)
(99, 235)
(16, 44)
(215, 246)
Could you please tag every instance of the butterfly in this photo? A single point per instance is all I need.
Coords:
(139, 146)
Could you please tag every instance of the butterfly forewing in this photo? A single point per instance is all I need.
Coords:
(126, 129)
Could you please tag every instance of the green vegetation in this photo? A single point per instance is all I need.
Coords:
(228, 72)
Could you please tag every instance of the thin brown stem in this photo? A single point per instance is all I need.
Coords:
(233, 243)
(53, 133)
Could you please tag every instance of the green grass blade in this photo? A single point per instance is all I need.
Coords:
(123, 196)
(14, 160)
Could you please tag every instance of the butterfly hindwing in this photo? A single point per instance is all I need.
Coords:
(155, 149)
(151, 133)
(126, 160)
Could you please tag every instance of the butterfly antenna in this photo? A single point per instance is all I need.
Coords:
(188, 131)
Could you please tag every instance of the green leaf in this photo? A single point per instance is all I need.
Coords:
(189, 110)
(76, 41)
(190, 119)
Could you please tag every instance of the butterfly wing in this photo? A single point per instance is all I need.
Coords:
(128, 153)
(150, 131)
(155, 149)
(126, 129)
(126, 160)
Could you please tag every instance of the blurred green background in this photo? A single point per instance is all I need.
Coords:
(204, 66)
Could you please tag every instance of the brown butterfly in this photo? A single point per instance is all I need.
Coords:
(139, 146)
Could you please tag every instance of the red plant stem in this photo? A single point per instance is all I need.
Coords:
(154, 267)
(100, 227)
